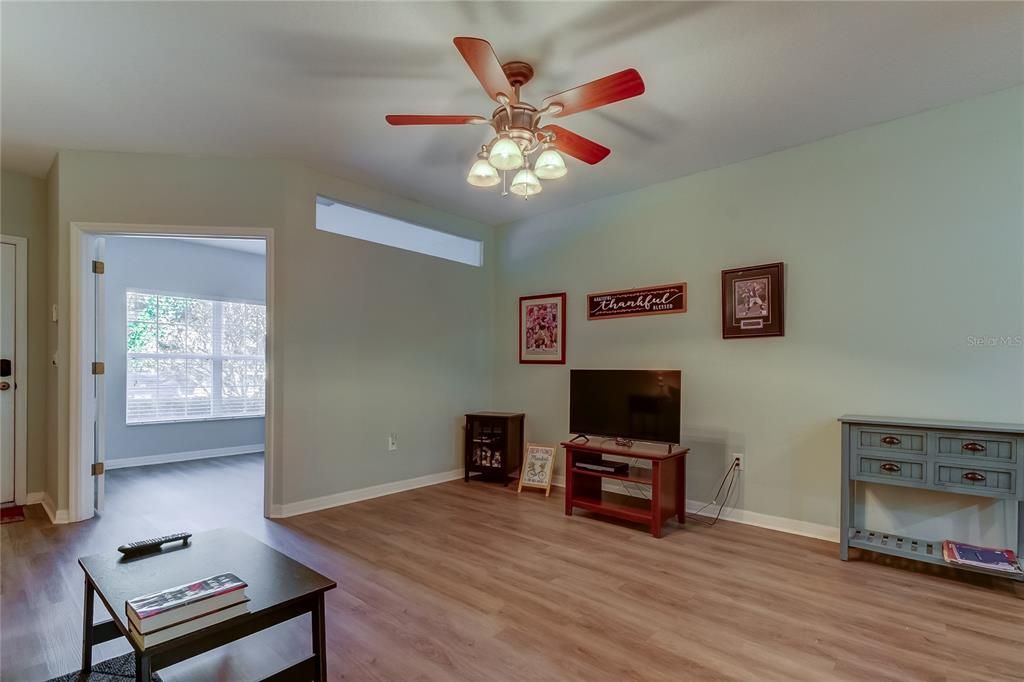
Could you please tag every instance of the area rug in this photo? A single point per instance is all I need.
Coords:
(12, 514)
(113, 670)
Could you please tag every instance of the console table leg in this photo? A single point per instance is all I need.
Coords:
(1020, 528)
(847, 499)
(318, 616)
(87, 628)
(143, 668)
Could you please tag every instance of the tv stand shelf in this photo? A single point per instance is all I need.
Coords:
(666, 478)
(635, 474)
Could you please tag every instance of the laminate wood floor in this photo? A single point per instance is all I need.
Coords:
(472, 582)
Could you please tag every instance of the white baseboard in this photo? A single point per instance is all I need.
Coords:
(43, 498)
(350, 496)
(182, 456)
(780, 523)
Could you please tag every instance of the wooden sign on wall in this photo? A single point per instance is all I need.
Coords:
(659, 300)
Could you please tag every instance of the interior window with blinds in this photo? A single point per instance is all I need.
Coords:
(192, 358)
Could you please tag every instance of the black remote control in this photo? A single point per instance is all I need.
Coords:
(147, 546)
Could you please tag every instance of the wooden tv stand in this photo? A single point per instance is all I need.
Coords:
(666, 477)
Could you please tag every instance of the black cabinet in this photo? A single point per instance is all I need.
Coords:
(494, 444)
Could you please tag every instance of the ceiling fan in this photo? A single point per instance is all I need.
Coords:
(519, 133)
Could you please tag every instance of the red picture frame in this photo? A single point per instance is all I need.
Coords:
(542, 329)
(753, 301)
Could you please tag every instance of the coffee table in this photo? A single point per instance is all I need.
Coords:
(279, 589)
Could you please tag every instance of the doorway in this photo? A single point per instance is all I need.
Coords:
(170, 364)
(13, 368)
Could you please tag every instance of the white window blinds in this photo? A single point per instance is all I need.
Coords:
(192, 358)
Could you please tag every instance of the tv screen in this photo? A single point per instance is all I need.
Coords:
(626, 403)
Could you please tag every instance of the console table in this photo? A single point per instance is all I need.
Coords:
(967, 458)
(666, 477)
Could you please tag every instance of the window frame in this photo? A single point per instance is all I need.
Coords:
(216, 378)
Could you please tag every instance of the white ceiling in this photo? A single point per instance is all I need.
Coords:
(313, 81)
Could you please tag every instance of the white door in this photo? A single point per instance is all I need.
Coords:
(8, 282)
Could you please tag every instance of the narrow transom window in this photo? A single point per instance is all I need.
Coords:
(339, 218)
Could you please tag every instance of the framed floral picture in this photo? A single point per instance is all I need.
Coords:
(542, 329)
(752, 301)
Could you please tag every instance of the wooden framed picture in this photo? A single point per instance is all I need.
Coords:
(538, 468)
(542, 329)
(664, 299)
(753, 301)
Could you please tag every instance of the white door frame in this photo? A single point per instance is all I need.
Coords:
(20, 366)
(80, 432)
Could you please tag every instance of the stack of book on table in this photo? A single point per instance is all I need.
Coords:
(156, 618)
(988, 558)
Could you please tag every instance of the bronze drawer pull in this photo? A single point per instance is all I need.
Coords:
(974, 476)
(973, 447)
(892, 468)
(890, 440)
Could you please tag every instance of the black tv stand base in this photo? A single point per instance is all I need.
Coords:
(579, 436)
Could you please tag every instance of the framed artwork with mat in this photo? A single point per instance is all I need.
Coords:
(542, 329)
(538, 468)
(753, 301)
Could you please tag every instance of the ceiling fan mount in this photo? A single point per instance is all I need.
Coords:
(517, 124)
(518, 73)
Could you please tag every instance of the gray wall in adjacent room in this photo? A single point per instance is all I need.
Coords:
(175, 267)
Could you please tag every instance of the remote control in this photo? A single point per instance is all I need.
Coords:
(146, 546)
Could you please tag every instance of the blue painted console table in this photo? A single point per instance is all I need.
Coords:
(968, 458)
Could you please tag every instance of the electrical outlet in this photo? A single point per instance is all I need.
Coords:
(392, 442)
(737, 460)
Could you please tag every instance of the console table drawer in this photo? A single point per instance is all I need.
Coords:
(976, 480)
(982, 448)
(870, 467)
(899, 440)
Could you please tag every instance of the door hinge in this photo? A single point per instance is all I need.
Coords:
(98, 267)
(98, 368)
(97, 469)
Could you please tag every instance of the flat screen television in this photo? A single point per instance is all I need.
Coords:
(634, 404)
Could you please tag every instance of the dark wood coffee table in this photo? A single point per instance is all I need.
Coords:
(279, 589)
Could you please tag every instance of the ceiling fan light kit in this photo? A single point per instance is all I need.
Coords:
(483, 174)
(505, 154)
(518, 133)
(526, 184)
(549, 165)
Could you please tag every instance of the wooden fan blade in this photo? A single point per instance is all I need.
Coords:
(415, 120)
(613, 88)
(577, 146)
(484, 64)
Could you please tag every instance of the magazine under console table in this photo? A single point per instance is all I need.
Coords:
(966, 458)
(666, 478)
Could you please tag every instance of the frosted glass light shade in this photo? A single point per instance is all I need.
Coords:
(549, 165)
(483, 174)
(506, 155)
(525, 183)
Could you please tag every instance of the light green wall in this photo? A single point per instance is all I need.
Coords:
(23, 207)
(901, 241)
(376, 340)
(368, 340)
